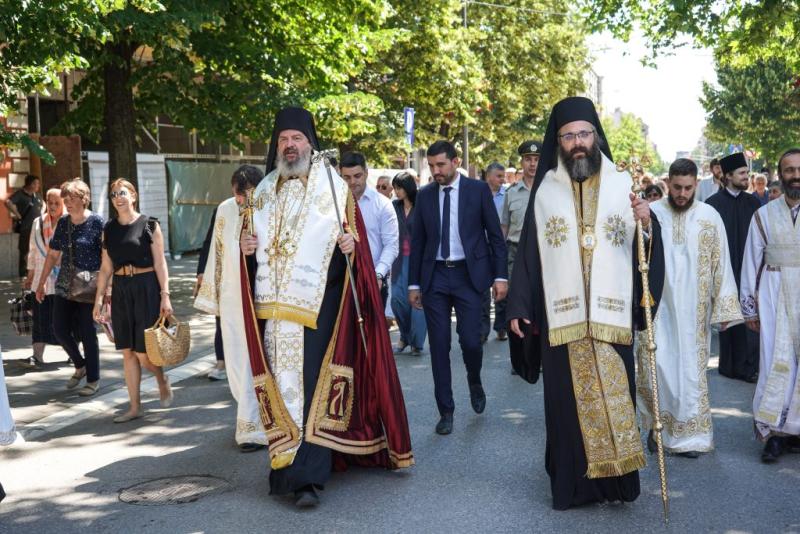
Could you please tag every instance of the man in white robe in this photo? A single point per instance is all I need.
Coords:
(699, 290)
(220, 295)
(770, 298)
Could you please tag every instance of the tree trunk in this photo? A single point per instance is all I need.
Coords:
(119, 115)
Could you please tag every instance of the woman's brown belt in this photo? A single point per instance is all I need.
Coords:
(131, 270)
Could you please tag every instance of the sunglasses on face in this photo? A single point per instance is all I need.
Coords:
(121, 193)
(383, 187)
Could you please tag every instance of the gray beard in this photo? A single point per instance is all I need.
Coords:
(579, 169)
(298, 167)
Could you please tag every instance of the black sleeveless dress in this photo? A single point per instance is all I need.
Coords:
(135, 300)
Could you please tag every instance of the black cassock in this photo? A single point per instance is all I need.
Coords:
(565, 457)
(312, 463)
(738, 346)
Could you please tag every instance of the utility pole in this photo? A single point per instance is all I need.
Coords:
(465, 133)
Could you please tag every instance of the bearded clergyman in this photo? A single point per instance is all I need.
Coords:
(699, 290)
(327, 385)
(770, 298)
(576, 304)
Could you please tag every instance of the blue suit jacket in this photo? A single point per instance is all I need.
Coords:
(478, 226)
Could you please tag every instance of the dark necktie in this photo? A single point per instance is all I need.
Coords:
(446, 223)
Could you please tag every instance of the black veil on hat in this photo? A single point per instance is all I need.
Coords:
(574, 108)
(291, 118)
(732, 162)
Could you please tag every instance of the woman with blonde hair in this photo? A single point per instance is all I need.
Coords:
(41, 234)
(133, 252)
(75, 246)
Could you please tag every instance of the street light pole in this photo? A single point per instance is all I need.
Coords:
(465, 132)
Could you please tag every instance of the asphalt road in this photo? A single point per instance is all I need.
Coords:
(488, 476)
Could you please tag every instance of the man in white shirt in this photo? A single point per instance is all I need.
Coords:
(378, 214)
(708, 186)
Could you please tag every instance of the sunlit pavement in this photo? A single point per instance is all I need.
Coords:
(488, 476)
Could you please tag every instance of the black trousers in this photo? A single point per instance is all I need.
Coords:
(218, 350)
(67, 313)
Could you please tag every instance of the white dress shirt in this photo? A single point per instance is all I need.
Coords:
(456, 248)
(382, 232)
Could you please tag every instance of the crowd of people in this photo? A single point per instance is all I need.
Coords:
(83, 272)
(304, 267)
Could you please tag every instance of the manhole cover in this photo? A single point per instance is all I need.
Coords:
(173, 490)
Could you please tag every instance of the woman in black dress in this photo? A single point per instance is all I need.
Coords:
(133, 251)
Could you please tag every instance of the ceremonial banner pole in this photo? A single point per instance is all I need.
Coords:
(325, 156)
(636, 169)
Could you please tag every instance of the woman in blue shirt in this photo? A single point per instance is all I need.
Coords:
(76, 244)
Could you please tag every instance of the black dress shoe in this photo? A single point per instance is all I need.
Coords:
(250, 447)
(689, 454)
(477, 397)
(445, 424)
(771, 450)
(791, 444)
(306, 497)
(652, 446)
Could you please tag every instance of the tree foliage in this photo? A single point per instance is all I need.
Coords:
(750, 106)
(223, 67)
(742, 31)
(626, 138)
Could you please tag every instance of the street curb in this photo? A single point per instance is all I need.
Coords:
(104, 404)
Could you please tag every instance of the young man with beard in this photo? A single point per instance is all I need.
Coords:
(738, 347)
(770, 295)
(699, 290)
(327, 386)
(708, 186)
(457, 253)
(576, 294)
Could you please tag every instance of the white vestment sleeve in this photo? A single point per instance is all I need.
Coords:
(207, 299)
(751, 265)
(725, 297)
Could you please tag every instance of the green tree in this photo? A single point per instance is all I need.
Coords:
(750, 106)
(742, 31)
(626, 138)
(220, 67)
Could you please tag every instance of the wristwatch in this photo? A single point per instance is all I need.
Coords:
(381, 278)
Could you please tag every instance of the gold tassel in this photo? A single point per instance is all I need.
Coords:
(616, 468)
(567, 334)
(611, 334)
(282, 460)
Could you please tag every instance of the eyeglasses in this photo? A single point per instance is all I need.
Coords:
(121, 193)
(583, 135)
(383, 187)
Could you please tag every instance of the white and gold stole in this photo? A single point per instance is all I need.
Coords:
(297, 230)
(783, 253)
(590, 255)
(607, 316)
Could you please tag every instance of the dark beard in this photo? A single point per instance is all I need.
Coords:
(677, 208)
(791, 192)
(579, 169)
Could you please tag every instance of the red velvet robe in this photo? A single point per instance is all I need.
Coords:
(357, 409)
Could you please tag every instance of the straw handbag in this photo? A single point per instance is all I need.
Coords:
(167, 342)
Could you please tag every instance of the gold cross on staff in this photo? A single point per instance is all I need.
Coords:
(250, 205)
(637, 168)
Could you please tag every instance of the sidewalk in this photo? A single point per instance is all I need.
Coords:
(35, 394)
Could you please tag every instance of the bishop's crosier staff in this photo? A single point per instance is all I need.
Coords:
(325, 156)
(636, 169)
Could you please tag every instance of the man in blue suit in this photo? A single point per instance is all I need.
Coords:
(457, 252)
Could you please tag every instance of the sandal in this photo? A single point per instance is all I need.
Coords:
(128, 416)
(89, 389)
(76, 379)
